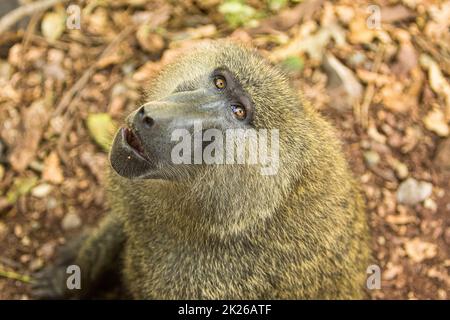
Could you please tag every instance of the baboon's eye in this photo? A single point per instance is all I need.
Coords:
(220, 82)
(239, 112)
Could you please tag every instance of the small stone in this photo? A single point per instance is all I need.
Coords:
(372, 158)
(412, 191)
(42, 190)
(71, 221)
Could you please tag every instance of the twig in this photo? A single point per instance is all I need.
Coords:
(367, 100)
(21, 12)
(63, 136)
(66, 100)
(37, 39)
(14, 275)
(30, 29)
(65, 103)
(71, 96)
(428, 46)
(370, 90)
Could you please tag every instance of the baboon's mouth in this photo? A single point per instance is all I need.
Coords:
(134, 142)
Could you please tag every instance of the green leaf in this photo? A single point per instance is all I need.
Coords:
(14, 275)
(237, 13)
(101, 128)
(20, 187)
(293, 64)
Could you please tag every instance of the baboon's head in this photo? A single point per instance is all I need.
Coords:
(182, 134)
(193, 110)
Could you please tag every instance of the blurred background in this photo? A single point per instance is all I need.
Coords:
(378, 70)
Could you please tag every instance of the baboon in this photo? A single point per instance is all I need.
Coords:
(224, 231)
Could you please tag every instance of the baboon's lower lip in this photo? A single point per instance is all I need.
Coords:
(134, 142)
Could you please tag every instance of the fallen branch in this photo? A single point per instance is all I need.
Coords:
(14, 275)
(370, 91)
(67, 99)
(21, 12)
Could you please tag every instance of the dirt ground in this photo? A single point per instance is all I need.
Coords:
(379, 71)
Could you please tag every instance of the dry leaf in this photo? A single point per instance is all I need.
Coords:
(375, 134)
(437, 81)
(149, 40)
(96, 163)
(34, 121)
(392, 271)
(419, 250)
(343, 86)
(98, 22)
(442, 158)
(52, 169)
(400, 219)
(435, 121)
(206, 31)
(407, 59)
(394, 97)
(312, 44)
(147, 71)
(290, 17)
(396, 13)
(359, 32)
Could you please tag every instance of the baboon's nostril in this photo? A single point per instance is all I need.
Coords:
(148, 121)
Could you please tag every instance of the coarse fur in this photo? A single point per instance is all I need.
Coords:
(228, 232)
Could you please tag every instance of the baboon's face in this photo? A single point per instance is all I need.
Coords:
(222, 88)
(146, 146)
